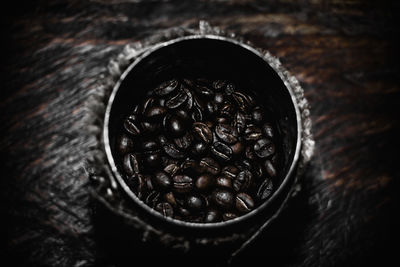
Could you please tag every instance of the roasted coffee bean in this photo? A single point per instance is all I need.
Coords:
(257, 114)
(257, 170)
(132, 126)
(190, 167)
(124, 144)
(252, 133)
(152, 198)
(212, 216)
(189, 100)
(226, 133)
(221, 151)
(223, 198)
(170, 198)
(244, 164)
(173, 152)
(222, 120)
(223, 181)
(230, 171)
(147, 104)
(131, 164)
(242, 100)
(195, 202)
(204, 90)
(184, 141)
(265, 189)
(227, 110)
(155, 112)
(204, 182)
(148, 182)
(240, 122)
(202, 132)
(250, 153)
(244, 202)
(210, 165)
(197, 114)
(243, 181)
(150, 145)
(166, 87)
(199, 149)
(174, 125)
(162, 180)
(268, 130)
(172, 169)
(264, 148)
(237, 148)
(165, 209)
(141, 185)
(150, 126)
(269, 167)
(182, 183)
(152, 160)
(177, 100)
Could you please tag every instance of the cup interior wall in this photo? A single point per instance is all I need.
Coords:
(211, 59)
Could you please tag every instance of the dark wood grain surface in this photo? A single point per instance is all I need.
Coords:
(344, 53)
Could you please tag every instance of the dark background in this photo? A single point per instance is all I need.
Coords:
(344, 53)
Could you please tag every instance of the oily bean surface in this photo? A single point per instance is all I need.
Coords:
(199, 150)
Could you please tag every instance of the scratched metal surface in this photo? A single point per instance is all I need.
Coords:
(344, 53)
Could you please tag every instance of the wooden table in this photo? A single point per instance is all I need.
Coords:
(344, 53)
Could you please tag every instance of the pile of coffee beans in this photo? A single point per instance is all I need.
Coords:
(199, 151)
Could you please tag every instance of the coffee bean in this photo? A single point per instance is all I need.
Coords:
(257, 170)
(227, 110)
(166, 87)
(152, 199)
(184, 141)
(190, 167)
(230, 171)
(219, 85)
(265, 189)
(223, 181)
(269, 167)
(154, 113)
(152, 160)
(226, 133)
(223, 198)
(257, 114)
(202, 132)
(174, 125)
(162, 180)
(264, 148)
(170, 198)
(176, 100)
(252, 133)
(221, 151)
(219, 98)
(199, 149)
(268, 130)
(240, 122)
(131, 164)
(124, 144)
(150, 126)
(229, 216)
(212, 216)
(204, 90)
(204, 182)
(132, 126)
(244, 202)
(243, 181)
(182, 183)
(250, 153)
(150, 145)
(209, 165)
(172, 169)
(195, 202)
(237, 148)
(165, 209)
(173, 152)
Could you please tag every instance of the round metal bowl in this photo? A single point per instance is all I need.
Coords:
(212, 57)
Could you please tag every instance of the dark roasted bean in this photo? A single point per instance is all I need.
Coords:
(174, 125)
(182, 183)
(190, 167)
(250, 153)
(150, 146)
(166, 87)
(176, 100)
(162, 180)
(230, 171)
(152, 160)
(202, 132)
(242, 181)
(212, 216)
(184, 141)
(218, 98)
(219, 85)
(204, 90)
(229, 216)
(152, 199)
(124, 144)
(150, 126)
(268, 130)
(221, 151)
(223, 181)
(199, 149)
(155, 112)
(209, 165)
(170, 198)
(265, 189)
(223, 198)
(257, 114)
(252, 133)
(257, 170)
(173, 152)
(132, 126)
(269, 167)
(165, 209)
(226, 133)
(237, 148)
(244, 202)
(131, 164)
(264, 148)
(204, 182)
(227, 110)
(172, 169)
(240, 122)
(195, 202)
